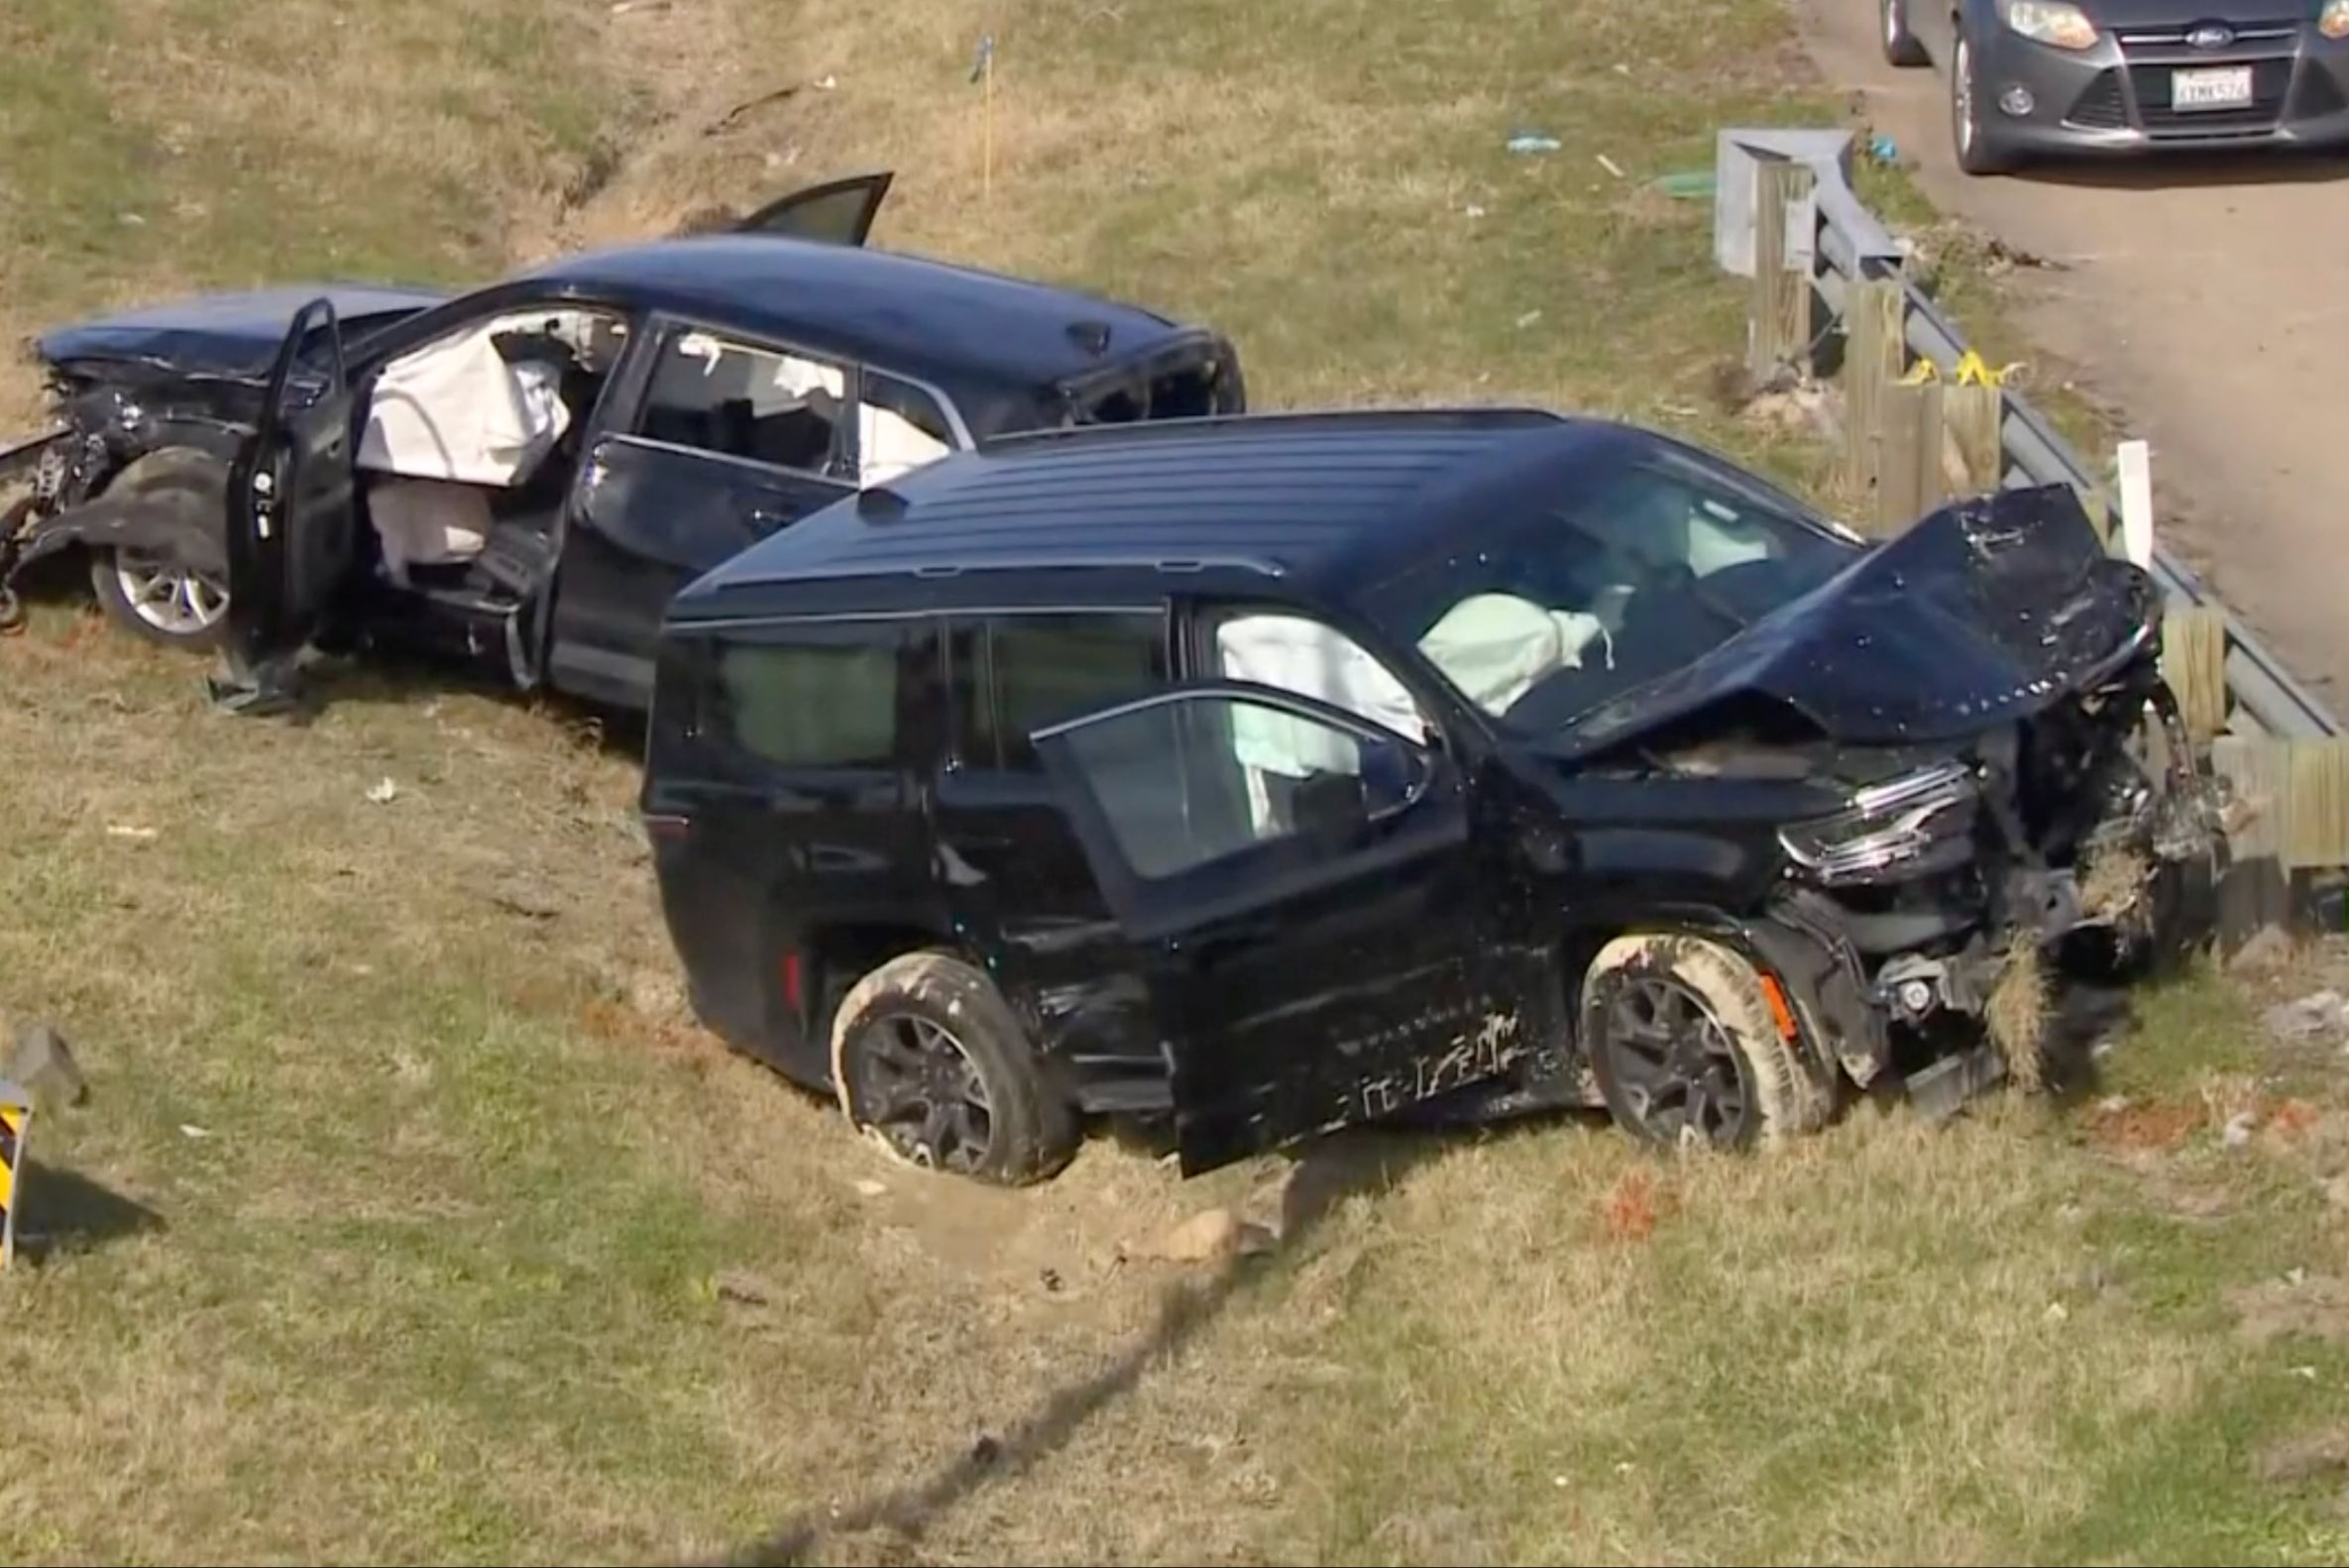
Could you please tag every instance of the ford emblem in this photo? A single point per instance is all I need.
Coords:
(2211, 34)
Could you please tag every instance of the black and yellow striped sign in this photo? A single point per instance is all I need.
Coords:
(16, 1118)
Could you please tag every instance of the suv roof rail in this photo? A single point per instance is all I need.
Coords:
(1142, 559)
(1495, 417)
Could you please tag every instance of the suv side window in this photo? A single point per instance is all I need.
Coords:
(1277, 647)
(820, 694)
(1015, 673)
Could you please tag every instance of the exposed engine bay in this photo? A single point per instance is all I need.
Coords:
(2068, 835)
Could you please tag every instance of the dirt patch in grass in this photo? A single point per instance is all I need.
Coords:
(2316, 1305)
(2130, 1127)
(2320, 1455)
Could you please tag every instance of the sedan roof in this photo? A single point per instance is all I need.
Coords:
(936, 319)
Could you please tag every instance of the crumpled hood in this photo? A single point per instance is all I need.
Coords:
(226, 334)
(1984, 612)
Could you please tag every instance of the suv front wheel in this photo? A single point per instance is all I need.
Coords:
(929, 1059)
(1686, 1046)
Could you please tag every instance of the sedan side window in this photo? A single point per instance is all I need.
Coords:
(900, 426)
(736, 400)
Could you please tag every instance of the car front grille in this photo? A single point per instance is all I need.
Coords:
(2154, 53)
(2279, 33)
(2101, 107)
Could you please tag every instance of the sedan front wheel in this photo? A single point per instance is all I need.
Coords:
(158, 599)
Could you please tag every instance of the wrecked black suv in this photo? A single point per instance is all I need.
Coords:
(1285, 773)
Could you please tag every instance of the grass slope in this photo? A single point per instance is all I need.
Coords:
(411, 1221)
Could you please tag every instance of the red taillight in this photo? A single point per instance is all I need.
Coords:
(791, 979)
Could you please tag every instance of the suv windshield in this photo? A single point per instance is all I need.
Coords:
(1653, 557)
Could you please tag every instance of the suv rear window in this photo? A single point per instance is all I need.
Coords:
(809, 697)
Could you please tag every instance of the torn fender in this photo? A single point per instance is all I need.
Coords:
(25, 457)
(173, 501)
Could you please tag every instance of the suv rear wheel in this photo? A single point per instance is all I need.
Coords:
(1686, 1046)
(929, 1059)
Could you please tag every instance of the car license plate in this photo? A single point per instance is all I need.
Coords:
(2228, 87)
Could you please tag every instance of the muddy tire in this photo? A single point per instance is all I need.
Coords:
(1685, 1048)
(928, 1061)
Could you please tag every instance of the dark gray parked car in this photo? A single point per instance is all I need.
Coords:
(2037, 77)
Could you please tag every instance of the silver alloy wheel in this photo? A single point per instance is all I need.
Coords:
(1962, 83)
(173, 600)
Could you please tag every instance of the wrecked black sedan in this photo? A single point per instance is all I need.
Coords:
(523, 475)
(1287, 772)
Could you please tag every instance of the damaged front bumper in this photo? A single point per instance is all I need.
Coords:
(1947, 895)
(38, 466)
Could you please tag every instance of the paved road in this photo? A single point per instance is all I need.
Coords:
(2209, 302)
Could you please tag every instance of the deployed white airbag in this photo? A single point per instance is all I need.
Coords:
(1496, 646)
(1297, 655)
(427, 522)
(458, 410)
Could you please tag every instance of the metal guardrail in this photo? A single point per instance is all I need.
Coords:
(1848, 243)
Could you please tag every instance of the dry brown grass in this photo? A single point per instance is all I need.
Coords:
(412, 1219)
(2018, 1013)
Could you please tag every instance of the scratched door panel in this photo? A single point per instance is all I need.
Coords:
(1303, 976)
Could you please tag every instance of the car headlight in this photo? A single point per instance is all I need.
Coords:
(1918, 823)
(2333, 20)
(2053, 22)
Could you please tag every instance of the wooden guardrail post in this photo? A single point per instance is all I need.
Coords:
(1909, 478)
(1972, 415)
(2100, 516)
(1779, 319)
(2256, 890)
(2290, 817)
(2318, 832)
(1876, 352)
(2194, 663)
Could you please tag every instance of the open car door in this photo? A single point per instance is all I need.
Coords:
(292, 523)
(838, 213)
(1298, 885)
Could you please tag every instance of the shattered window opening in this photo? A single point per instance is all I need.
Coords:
(1654, 561)
(738, 401)
(1183, 784)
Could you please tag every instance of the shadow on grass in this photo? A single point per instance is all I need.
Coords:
(1323, 1176)
(60, 1211)
(370, 677)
